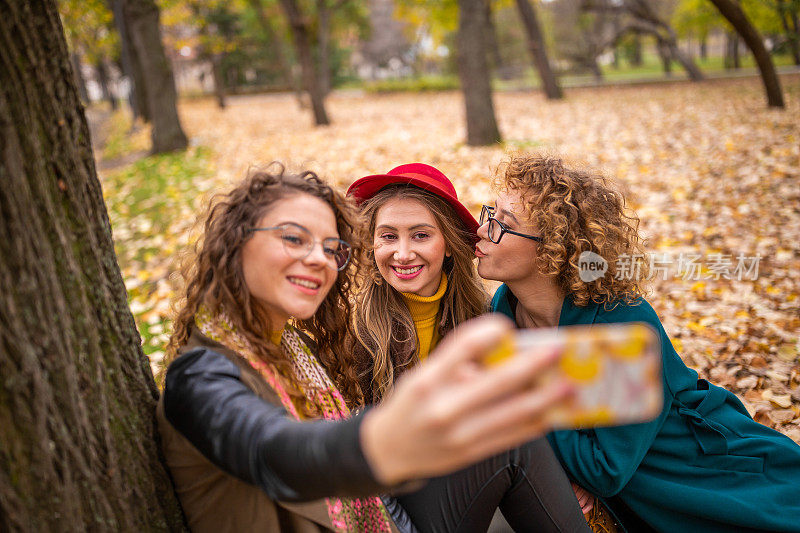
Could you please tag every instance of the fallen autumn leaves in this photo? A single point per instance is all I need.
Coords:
(709, 169)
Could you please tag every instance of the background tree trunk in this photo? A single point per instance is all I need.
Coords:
(105, 83)
(732, 59)
(78, 441)
(665, 55)
(130, 63)
(219, 79)
(636, 56)
(473, 70)
(734, 14)
(787, 12)
(538, 51)
(145, 34)
(302, 42)
(323, 46)
(491, 41)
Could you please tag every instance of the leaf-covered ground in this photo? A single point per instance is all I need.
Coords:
(713, 174)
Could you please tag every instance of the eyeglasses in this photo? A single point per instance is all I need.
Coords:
(298, 244)
(497, 229)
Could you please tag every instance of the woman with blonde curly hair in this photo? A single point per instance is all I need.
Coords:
(703, 464)
(252, 421)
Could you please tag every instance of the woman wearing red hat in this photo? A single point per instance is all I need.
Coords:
(420, 283)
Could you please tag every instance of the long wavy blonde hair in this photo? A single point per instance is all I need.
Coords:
(214, 278)
(578, 211)
(385, 342)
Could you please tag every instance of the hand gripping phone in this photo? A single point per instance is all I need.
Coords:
(615, 370)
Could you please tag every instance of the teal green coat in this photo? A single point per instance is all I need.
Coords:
(702, 465)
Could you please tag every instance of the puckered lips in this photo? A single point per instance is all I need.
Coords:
(305, 284)
(406, 272)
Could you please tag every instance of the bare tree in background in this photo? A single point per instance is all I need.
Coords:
(78, 441)
(301, 35)
(643, 18)
(538, 51)
(473, 70)
(141, 17)
(733, 13)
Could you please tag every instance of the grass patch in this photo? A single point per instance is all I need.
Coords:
(153, 204)
(420, 84)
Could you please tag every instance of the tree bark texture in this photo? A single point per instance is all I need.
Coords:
(733, 13)
(145, 33)
(473, 70)
(78, 441)
(538, 52)
(302, 42)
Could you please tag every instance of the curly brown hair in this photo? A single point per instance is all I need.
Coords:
(577, 211)
(214, 278)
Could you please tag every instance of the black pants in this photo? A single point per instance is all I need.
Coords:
(526, 483)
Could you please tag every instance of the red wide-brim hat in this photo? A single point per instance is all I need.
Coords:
(420, 175)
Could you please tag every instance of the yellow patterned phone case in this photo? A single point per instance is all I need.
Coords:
(615, 369)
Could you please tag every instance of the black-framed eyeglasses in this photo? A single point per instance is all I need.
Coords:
(298, 244)
(497, 229)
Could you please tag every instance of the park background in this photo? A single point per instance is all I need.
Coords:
(664, 98)
(695, 119)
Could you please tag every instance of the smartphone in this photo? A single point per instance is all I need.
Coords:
(615, 369)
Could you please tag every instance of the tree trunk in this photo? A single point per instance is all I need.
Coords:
(79, 81)
(78, 443)
(131, 67)
(302, 42)
(274, 41)
(536, 46)
(688, 64)
(636, 56)
(473, 70)
(732, 59)
(734, 14)
(788, 16)
(795, 37)
(105, 85)
(704, 48)
(666, 57)
(491, 41)
(145, 33)
(219, 79)
(323, 46)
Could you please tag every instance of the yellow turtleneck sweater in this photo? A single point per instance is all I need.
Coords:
(425, 313)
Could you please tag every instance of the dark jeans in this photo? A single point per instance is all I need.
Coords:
(526, 483)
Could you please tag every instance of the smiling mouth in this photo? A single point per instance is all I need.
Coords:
(407, 271)
(307, 283)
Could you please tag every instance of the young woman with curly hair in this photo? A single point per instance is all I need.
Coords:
(257, 358)
(419, 284)
(703, 464)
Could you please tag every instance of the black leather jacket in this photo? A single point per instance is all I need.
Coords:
(257, 442)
